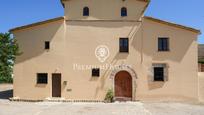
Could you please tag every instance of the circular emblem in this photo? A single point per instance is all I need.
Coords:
(102, 53)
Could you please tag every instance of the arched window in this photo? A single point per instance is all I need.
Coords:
(123, 11)
(86, 11)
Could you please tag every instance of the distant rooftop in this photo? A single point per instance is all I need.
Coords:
(201, 51)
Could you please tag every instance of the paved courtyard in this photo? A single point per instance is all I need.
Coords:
(128, 108)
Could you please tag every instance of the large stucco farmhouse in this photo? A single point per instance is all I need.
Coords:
(106, 44)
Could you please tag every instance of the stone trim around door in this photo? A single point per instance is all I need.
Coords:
(132, 73)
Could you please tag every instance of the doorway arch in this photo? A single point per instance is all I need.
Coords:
(123, 86)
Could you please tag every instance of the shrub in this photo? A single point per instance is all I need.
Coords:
(109, 96)
(201, 61)
(6, 79)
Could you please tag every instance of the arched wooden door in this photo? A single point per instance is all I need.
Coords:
(123, 86)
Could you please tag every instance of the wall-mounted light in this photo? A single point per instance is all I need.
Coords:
(65, 83)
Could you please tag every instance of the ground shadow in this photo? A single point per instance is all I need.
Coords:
(6, 94)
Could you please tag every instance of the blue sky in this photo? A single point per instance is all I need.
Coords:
(21, 12)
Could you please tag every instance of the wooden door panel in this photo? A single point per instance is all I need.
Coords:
(56, 85)
(123, 85)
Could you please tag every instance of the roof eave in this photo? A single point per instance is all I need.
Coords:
(174, 24)
(36, 24)
(138, 0)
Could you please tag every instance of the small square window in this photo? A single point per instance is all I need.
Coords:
(47, 45)
(124, 45)
(163, 44)
(158, 73)
(96, 72)
(42, 78)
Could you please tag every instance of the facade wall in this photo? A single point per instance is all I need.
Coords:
(74, 43)
(37, 60)
(182, 78)
(82, 39)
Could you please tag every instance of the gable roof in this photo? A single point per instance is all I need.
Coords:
(36, 24)
(173, 24)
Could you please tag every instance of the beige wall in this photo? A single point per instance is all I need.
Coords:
(103, 9)
(201, 86)
(181, 59)
(37, 60)
(83, 38)
(74, 42)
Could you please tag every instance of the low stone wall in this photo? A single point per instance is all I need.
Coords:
(201, 86)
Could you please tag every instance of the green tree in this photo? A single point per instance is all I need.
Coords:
(9, 49)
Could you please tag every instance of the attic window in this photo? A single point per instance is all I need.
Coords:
(86, 11)
(123, 11)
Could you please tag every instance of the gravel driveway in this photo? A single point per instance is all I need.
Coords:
(128, 108)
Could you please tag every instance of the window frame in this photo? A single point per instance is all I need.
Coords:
(163, 44)
(124, 48)
(156, 78)
(38, 81)
(123, 12)
(86, 11)
(47, 45)
(96, 72)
